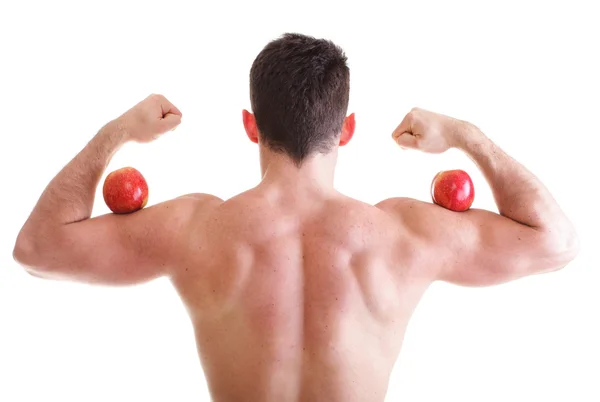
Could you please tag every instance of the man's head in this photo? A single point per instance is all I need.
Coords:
(299, 90)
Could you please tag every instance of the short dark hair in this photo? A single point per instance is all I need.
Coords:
(299, 91)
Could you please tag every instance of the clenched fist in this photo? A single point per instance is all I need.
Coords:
(150, 118)
(430, 132)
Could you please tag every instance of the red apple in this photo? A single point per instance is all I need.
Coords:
(125, 190)
(453, 189)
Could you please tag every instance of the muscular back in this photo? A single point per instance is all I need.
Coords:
(296, 292)
(298, 298)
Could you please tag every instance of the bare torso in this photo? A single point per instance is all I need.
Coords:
(296, 292)
(298, 298)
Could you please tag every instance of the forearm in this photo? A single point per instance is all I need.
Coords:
(70, 195)
(518, 193)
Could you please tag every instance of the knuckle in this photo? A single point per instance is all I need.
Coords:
(157, 97)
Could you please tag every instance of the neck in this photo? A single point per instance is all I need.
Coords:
(315, 173)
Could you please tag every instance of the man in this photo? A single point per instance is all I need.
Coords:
(297, 292)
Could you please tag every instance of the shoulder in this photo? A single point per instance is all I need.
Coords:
(201, 201)
(419, 217)
(183, 209)
(199, 204)
(200, 198)
(401, 205)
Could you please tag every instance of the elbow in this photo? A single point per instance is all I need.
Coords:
(26, 253)
(561, 250)
(574, 246)
(23, 249)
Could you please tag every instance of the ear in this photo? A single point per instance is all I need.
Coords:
(250, 126)
(347, 130)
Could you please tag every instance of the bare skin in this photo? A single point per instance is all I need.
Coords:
(297, 292)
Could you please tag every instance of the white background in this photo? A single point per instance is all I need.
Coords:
(526, 73)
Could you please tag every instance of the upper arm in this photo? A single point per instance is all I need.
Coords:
(475, 247)
(120, 249)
